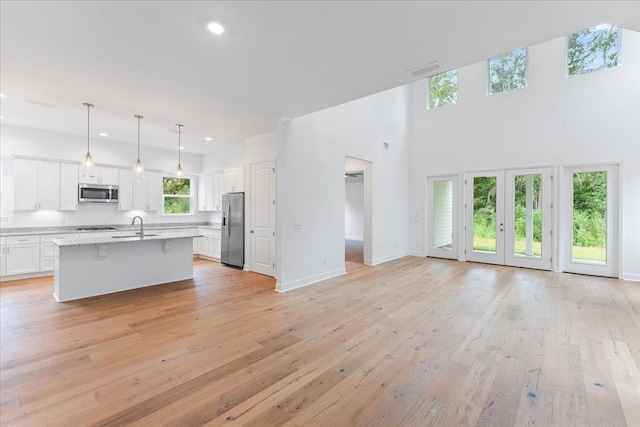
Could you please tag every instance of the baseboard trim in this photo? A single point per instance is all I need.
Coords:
(356, 238)
(631, 277)
(388, 258)
(418, 254)
(26, 276)
(306, 281)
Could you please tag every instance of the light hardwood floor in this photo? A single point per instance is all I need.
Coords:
(411, 342)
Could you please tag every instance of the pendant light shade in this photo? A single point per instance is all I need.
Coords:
(88, 166)
(138, 168)
(179, 168)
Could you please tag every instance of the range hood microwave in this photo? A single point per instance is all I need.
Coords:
(95, 193)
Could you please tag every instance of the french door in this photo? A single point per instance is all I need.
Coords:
(590, 220)
(508, 217)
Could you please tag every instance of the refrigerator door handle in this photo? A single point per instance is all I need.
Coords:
(229, 216)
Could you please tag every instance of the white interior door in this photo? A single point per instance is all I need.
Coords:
(508, 219)
(442, 227)
(263, 218)
(590, 220)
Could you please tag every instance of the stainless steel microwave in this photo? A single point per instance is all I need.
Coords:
(95, 193)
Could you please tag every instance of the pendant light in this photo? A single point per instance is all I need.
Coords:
(138, 168)
(88, 166)
(179, 168)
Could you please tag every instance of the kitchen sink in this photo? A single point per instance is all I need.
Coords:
(132, 235)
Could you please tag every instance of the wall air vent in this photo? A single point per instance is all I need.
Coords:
(425, 69)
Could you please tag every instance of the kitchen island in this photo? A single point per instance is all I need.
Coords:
(91, 266)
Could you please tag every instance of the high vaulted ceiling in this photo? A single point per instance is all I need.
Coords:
(157, 59)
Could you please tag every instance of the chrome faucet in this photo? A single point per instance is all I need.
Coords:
(141, 225)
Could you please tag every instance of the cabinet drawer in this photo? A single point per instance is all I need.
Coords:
(22, 239)
(216, 234)
(49, 237)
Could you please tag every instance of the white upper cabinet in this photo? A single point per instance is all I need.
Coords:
(233, 180)
(210, 192)
(68, 186)
(102, 175)
(125, 189)
(36, 184)
(147, 194)
(154, 191)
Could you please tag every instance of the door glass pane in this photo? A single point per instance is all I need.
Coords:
(527, 224)
(590, 216)
(443, 215)
(484, 213)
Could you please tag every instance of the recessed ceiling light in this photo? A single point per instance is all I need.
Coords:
(181, 148)
(103, 134)
(2, 95)
(208, 139)
(1, 117)
(215, 28)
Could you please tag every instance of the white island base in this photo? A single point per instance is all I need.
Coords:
(85, 269)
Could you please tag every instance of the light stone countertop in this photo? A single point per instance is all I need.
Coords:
(34, 231)
(100, 240)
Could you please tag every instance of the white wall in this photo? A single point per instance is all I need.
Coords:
(311, 187)
(554, 121)
(354, 208)
(37, 143)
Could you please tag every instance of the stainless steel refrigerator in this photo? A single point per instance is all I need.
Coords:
(233, 230)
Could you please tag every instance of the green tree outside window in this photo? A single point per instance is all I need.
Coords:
(177, 195)
(443, 89)
(508, 71)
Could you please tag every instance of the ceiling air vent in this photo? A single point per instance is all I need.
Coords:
(425, 69)
(41, 103)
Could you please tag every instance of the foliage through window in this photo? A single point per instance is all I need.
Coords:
(176, 194)
(443, 89)
(593, 49)
(508, 71)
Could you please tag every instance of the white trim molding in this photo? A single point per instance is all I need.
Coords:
(306, 281)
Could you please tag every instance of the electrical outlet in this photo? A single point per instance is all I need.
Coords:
(297, 225)
(324, 261)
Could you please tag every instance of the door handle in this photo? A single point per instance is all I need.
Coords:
(251, 232)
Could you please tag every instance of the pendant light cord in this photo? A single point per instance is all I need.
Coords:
(88, 123)
(139, 117)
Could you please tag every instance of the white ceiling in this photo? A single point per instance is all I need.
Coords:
(157, 59)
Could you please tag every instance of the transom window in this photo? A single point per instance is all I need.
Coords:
(177, 195)
(593, 49)
(443, 89)
(508, 71)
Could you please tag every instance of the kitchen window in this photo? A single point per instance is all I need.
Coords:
(177, 195)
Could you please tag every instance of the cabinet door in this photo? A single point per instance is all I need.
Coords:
(3, 260)
(205, 196)
(25, 185)
(217, 192)
(217, 247)
(228, 181)
(125, 189)
(140, 193)
(154, 191)
(23, 258)
(197, 244)
(108, 176)
(48, 185)
(68, 187)
(238, 179)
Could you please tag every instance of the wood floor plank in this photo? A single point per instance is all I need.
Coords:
(414, 341)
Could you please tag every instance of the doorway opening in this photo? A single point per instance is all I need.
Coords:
(354, 216)
(357, 212)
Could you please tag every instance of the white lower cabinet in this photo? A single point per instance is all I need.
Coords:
(210, 245)
(3, 260)
(21, 255)
(47, 249)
